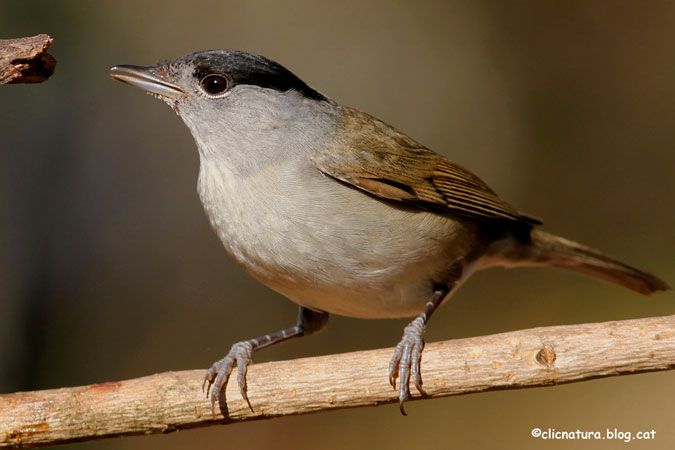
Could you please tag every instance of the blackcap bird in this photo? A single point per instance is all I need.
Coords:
(340, 212)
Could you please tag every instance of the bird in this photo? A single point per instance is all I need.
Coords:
(340, 212)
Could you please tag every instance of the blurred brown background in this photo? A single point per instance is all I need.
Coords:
(109, 269)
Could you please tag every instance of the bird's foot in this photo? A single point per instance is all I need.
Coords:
(219, 373)
(406, 361)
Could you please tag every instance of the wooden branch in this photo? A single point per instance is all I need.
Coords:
(173, 401)
(26, 60)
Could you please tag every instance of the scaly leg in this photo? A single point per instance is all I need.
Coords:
(309, 322)
(408, 353)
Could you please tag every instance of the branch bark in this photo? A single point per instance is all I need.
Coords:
(173, 401)
(25, 60)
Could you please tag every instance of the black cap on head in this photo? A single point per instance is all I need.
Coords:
(251, 69)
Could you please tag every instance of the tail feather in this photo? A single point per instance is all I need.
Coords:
(548, 249)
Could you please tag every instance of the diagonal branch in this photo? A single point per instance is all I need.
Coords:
(172, 401)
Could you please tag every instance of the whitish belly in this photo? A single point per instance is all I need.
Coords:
(330, 247)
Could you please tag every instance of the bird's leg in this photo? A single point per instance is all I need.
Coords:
(309, 322)
(408, 353)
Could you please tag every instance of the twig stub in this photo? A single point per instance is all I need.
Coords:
(25, 60)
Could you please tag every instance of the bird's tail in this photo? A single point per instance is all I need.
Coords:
(550, 250)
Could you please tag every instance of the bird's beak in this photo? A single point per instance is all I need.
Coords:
(146, 79)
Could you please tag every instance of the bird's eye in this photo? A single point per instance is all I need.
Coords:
(214, 84)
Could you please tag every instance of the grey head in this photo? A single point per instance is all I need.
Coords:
(244, 110)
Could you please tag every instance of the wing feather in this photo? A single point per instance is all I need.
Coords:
(373, 156)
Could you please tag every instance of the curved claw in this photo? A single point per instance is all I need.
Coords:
(400, 406)
(242, 367)
(406, 361)
(217, 376)
(416, 357)
(210, 377)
